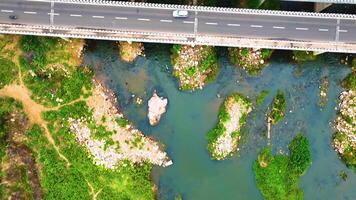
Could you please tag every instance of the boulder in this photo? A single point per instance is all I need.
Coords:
(156, 107)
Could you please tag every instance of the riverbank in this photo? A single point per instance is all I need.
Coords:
(224, 138)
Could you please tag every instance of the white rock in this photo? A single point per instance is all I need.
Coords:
(156, 107)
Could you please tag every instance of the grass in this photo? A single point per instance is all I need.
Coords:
(126, 182)
(302, 56)
(261, 97)
(277, 107)
(8, 72)
(48, 71)
(277, 176)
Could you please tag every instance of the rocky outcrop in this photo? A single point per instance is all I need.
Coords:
(344, 140)
(130, 51)
(156, 107)
(194, 66)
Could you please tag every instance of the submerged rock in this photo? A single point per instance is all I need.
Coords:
(156, 107)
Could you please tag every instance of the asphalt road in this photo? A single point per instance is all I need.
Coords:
(162, 21)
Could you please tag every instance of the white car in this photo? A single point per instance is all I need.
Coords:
(180, 13)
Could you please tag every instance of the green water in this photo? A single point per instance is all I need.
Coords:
(190, 115)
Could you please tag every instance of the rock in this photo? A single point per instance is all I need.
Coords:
(156, 107)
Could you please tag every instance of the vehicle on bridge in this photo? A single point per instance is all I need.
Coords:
(180, 13)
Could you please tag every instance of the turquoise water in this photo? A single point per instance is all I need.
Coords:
(191, 114)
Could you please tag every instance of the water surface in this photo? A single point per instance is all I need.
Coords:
(191, 114)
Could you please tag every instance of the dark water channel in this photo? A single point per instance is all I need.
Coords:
(190, 115)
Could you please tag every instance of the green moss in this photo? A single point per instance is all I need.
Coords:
(261, 97)
(190, 71)
(302, 56)
(277, 107)
(277, 176)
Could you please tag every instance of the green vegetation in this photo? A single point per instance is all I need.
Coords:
(348, 155)
(190, 71)
(261, 97)
(349, 82)
(277, 176)
(251, 60)
(223, 117)
(277, 107)
(48, 72)
(8, 72)
(302, 56)
(122, 122)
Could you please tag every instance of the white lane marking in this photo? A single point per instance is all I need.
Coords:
(7, 11)
(30, 12)
(343, 31)
(211, 23)
(54, 14)
(166, 20)
(323, 29)
(100, 17)
(188, 22)
(256, 26)
(233, 24)
(75, 15)
(302, 29)
(279, 27)
(123, 18)
(143, 19)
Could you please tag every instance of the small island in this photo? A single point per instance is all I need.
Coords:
(128, 52)
(194, 66)
(277, 108)
(224, 138)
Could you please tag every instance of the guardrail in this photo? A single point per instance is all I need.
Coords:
(188, 39)
(327, 1)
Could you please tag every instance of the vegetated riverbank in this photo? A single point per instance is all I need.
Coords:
(277, 176)
(49, 72)
(224, 138)
(344, 139)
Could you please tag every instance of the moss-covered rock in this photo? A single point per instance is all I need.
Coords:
(252, 60)
(130, 51)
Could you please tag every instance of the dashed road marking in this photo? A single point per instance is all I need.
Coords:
(343, 31)
(188, 22)
(7, 11)
(143, 19)
(302, 29)
(233, 24)
(211, 23)
(256, 26)
(323, 29)
(75, 15)
(54, 14)
(100, 17)
(166, 20)
(30, 12)
(279, 27)
(122, 18)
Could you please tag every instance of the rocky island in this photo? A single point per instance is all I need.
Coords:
(156, 107)
(223, 140)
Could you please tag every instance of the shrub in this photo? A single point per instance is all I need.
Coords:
(8, 72)
(277, 107)
(299, 150)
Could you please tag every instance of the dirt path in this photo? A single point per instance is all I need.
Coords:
(32, 109)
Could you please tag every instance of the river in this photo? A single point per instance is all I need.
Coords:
(190, 115)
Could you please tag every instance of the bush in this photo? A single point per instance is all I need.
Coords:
(350, 81)
(277, 176)
(303, 55)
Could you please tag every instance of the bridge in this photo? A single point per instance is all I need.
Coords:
(327, 1)
(144, 22)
